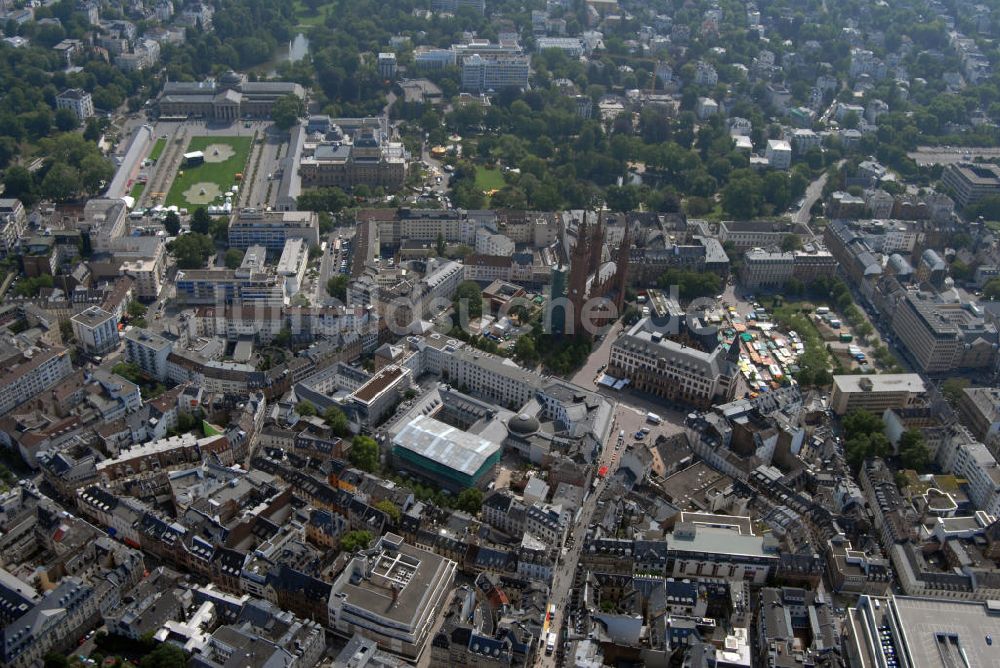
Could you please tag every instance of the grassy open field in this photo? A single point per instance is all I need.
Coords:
(221, 174)
(158, 146)
(306, 17)
(489, 179)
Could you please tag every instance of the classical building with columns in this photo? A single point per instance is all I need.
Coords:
(229, 97)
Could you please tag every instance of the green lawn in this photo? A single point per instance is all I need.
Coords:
(489, 179)
(221, 174)
(305, 17)
(161, 143)
(137, 189)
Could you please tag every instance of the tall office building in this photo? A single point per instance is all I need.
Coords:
(494, 72)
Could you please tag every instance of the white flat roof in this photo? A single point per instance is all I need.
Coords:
(882, 382)
(442, 443)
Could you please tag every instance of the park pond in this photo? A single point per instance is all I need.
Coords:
(292, 52)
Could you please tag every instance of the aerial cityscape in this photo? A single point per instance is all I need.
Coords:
(494, 334)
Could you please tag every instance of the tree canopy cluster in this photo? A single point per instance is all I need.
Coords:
(864, 437)
(364, 454)
(191, 251)
(691, 284)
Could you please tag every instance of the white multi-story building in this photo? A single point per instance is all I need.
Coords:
(766, 270)
(292, 266)
(706, 107)
(125, 392)
(669, 369)
(145, 55)
(481, 74)
(442, 281)
(96, 330)
(865, 62)
(149, 351)
(972, 182)
(148, 276)
(719, 548)
(120, 513)
(145, 260)
(961, 454)
(78, 101)
(488, 243)
(544, 523)
(428, 58)
(804, 139)
(571, 46)
(451, 225)
(13, 222)
(778, 154)
(32, 374)
(54, 621)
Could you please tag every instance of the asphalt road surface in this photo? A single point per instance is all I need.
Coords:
(565, 568)
(328, 266)
(813, 193)
(947, 155)
(264, 189)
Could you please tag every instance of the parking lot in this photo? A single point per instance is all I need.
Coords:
(947, 155)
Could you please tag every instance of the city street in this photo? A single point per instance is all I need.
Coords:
(329, 265)
(565, 568)
(813, 193)
(630, 417)
(263, 190)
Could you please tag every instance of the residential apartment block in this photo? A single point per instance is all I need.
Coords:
(149, 351)
(96, 330)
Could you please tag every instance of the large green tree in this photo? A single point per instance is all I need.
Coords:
(166, 655)
(61, 182)
(336, 287)
(390, 509)
(353, 541)
(468, 298)
(172, 223)
(364, 453)
(234, 258)
(913, 451)
(742, 196)
(337, 421)
(192, 250)
(861, 423)
(470, 500)
(286, 111)
(201, 222)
